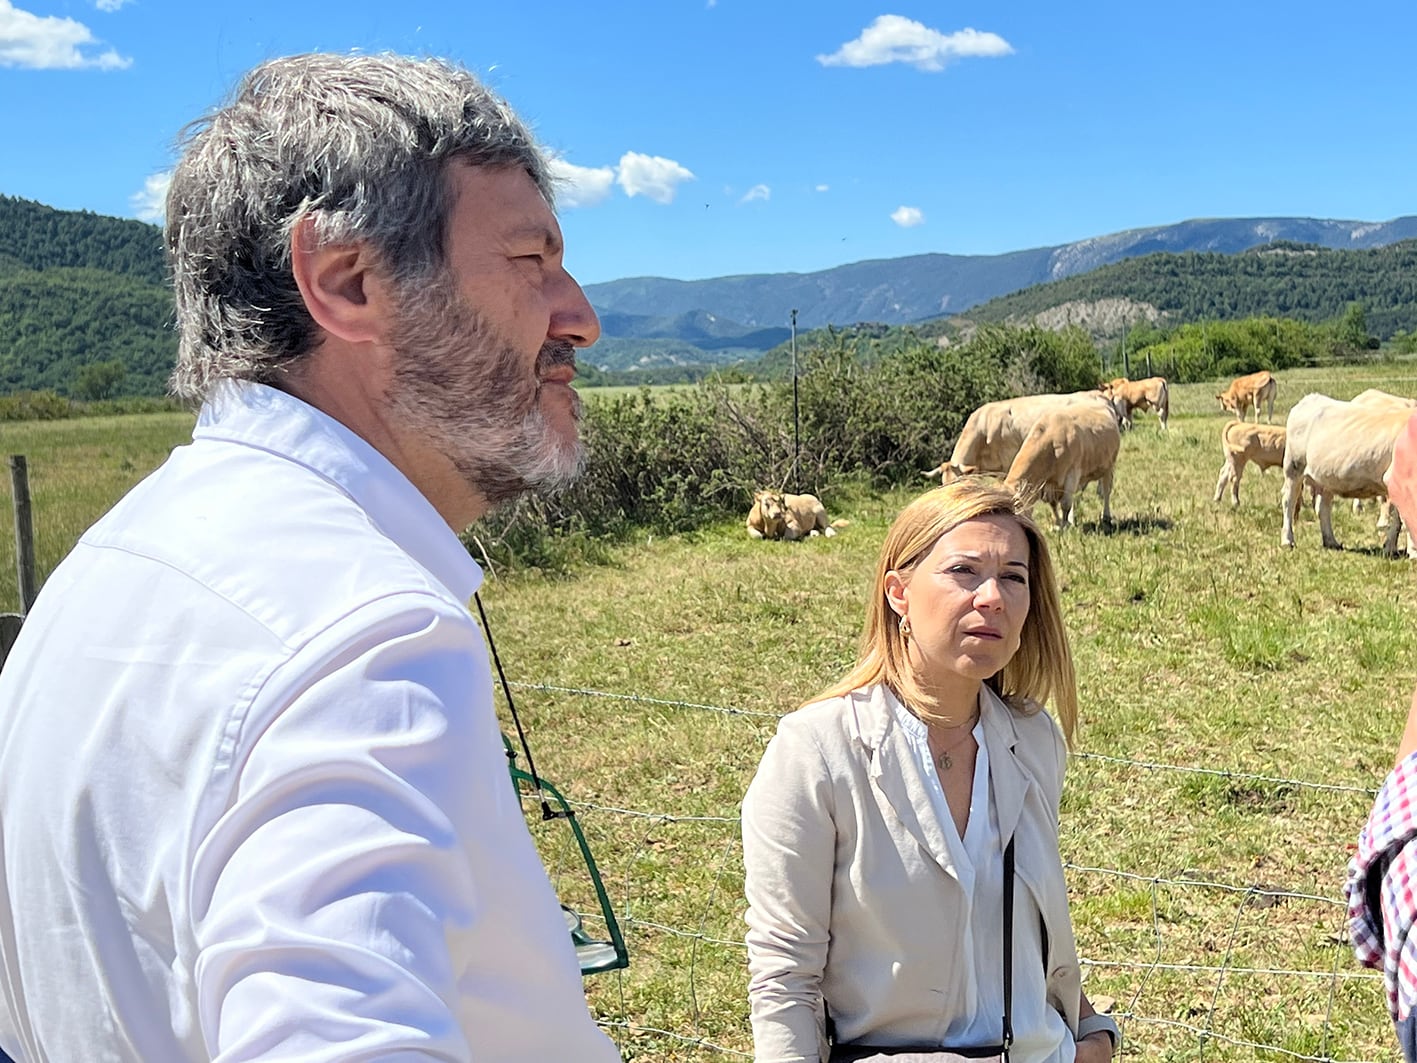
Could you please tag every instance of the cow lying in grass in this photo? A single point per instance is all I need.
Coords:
(776, 515)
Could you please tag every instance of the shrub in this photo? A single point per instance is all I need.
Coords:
(654, 461)
(34, 406)
(861, 408)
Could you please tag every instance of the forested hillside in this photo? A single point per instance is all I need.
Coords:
(37, 237)
(1300, 281)
(85, 310)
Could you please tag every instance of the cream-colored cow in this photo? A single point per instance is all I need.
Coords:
(1339, 449)
(1378, 397)
(775, 515)
(1068, 448)
(1244, 444)
(993, 434)
(1247, 391)
(1149, 394)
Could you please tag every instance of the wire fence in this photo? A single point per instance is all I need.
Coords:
(1267, 972)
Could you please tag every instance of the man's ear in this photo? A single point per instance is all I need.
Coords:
(344, 291)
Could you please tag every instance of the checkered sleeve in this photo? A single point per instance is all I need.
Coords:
(1382, 889)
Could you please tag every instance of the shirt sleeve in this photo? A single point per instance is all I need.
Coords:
(789, 847)
(369, 890)
(1382, 889)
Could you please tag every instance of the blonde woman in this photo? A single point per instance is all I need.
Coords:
(892, 815)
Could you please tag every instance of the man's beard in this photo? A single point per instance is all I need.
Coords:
(460, 383)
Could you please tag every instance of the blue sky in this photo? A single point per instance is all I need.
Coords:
(704, 138)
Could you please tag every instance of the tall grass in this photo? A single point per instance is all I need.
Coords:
(650, 684)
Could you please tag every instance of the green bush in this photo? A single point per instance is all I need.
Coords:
(889, 420)
(34, 406)
(654, 462)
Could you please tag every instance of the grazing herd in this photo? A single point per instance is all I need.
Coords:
(1050, 447)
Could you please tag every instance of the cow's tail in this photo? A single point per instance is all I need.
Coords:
(1165, 411)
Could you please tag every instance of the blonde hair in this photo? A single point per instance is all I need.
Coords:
(1041, 670)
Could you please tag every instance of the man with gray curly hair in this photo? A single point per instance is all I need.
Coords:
(253, 798)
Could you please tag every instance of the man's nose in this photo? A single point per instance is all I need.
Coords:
(573, 319)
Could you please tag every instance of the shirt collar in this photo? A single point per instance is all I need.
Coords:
(256, 415)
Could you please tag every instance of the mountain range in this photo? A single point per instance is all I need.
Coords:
(751, 312)
(78, 288)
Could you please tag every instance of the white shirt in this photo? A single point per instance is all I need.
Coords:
(253, 797)
(1040, 1033)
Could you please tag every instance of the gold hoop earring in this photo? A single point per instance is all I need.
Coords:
(905, 628)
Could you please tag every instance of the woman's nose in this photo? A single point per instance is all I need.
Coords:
(989, 593)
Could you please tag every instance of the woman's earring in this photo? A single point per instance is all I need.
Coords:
(905, 628)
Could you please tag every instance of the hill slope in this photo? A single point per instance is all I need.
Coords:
(1281, 280)
(37, 237)
(77, 288)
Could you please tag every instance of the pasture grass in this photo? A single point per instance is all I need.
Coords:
(1205, 899)
(78, 468)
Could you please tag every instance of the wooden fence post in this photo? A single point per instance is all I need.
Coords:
(24, 531)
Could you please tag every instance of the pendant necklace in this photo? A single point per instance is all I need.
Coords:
(944, 762)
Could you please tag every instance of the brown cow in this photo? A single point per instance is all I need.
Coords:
(1252, 390)
(1244, 443)
(993, 434)
(1149, 394)
(1069, 448)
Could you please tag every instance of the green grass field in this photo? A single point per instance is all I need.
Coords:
(1239, 704)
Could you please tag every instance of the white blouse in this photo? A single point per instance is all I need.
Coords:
(1040, 1033)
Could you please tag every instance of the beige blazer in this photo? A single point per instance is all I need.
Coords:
(852, 896)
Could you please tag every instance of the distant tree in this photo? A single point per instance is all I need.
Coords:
(100, 380)
(1353, 327)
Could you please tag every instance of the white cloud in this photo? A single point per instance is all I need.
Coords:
(50, 43)
(908, 217)
(652, 176)
(580, 186)
(150, 203)
(824, 188)
(762, 192)
(896, 39)
(110, 5)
